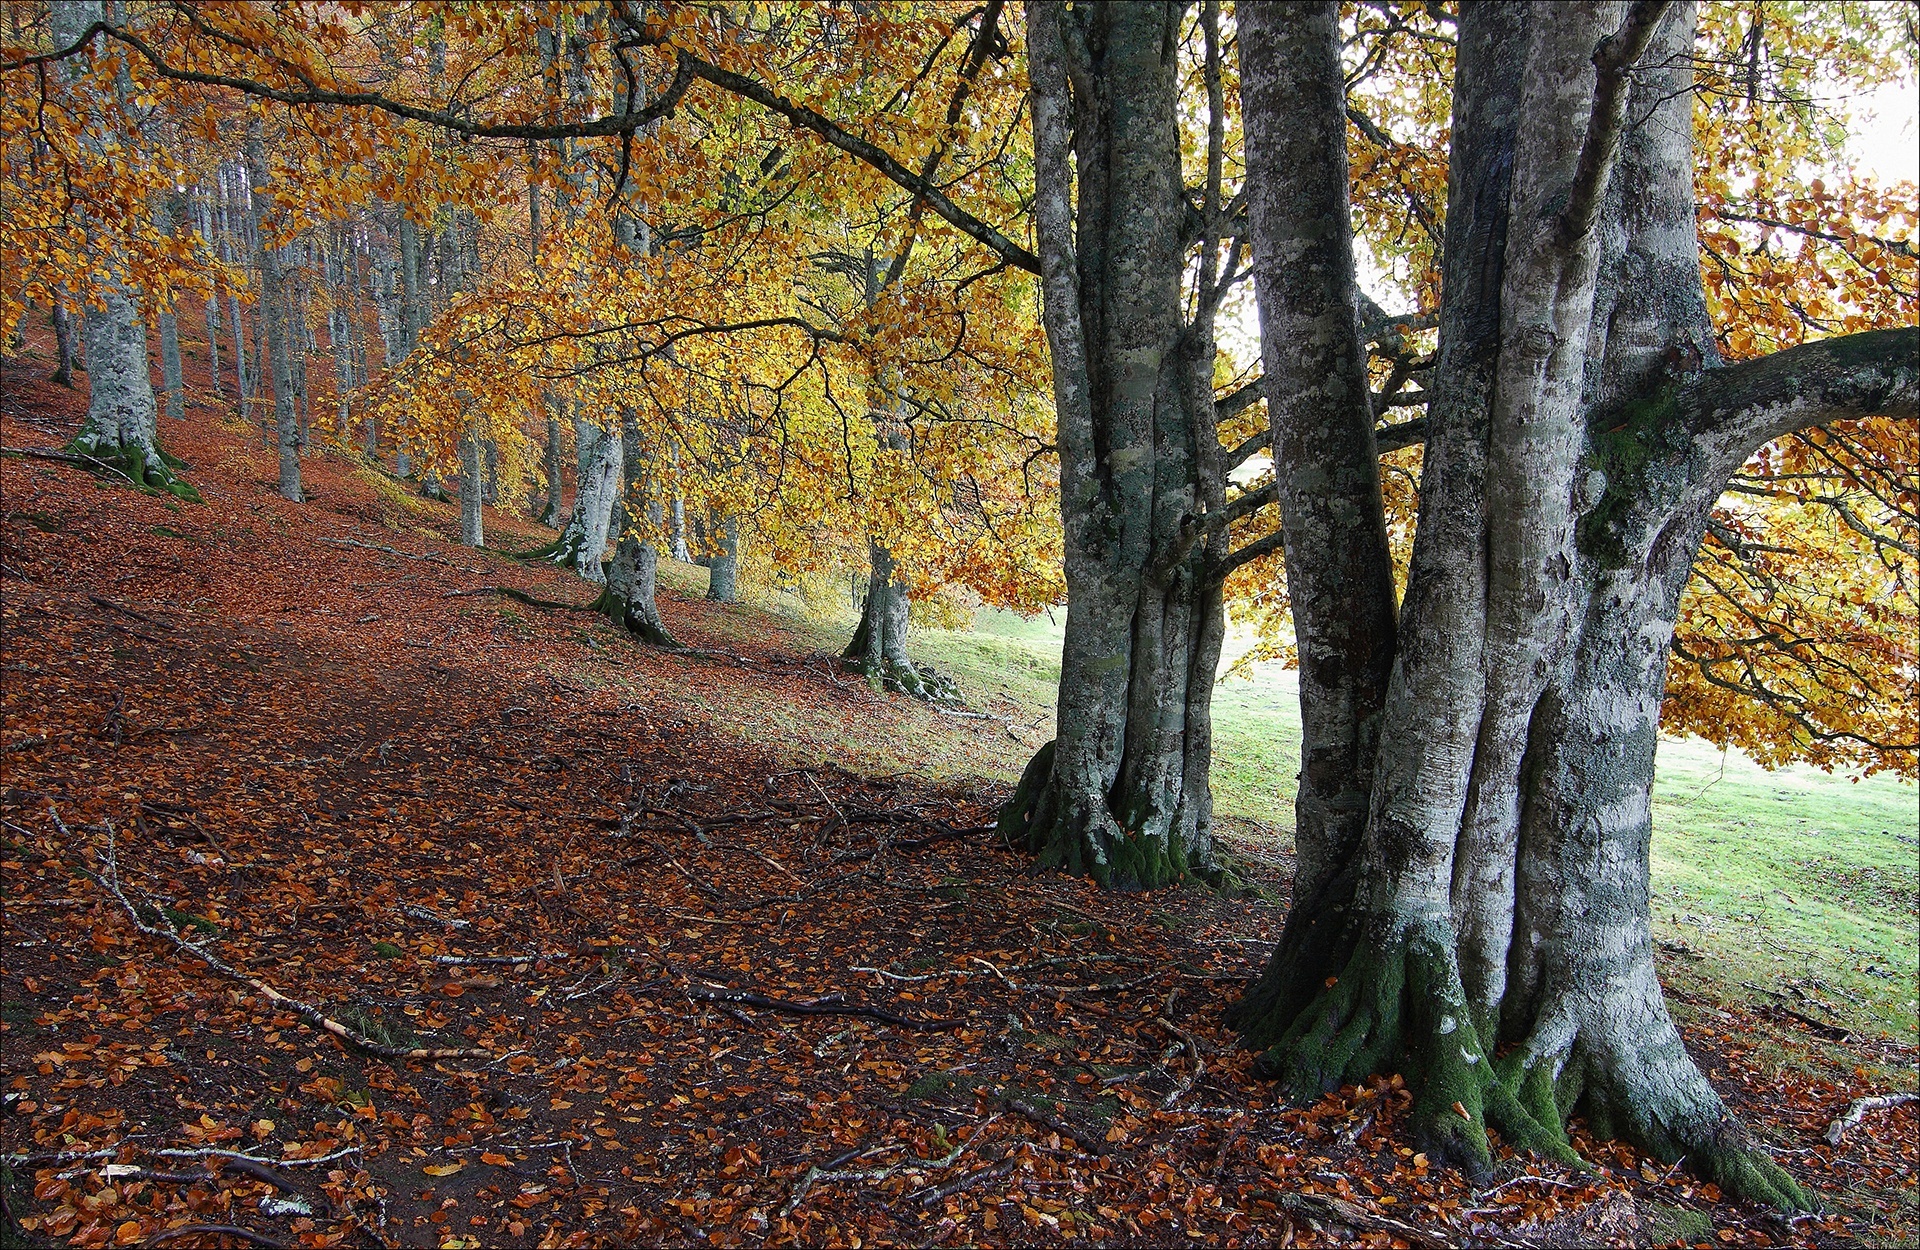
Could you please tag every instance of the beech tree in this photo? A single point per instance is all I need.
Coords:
(1475, 813)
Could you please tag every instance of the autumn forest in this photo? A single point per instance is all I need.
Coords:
(824, 622)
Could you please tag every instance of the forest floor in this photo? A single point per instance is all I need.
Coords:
(709, 995)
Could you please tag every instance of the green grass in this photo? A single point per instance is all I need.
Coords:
(1796, 882)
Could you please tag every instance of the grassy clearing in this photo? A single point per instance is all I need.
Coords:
(1801, 884)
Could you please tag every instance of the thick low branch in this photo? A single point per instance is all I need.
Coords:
(1738, 409)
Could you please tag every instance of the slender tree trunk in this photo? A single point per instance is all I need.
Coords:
(550, 514)
(63, 338)
(472, 497)
(166, 215)
(723, 567)
(268, 263)
(1122, 793)
(203, 216)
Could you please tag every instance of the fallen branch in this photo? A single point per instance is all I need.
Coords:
(214, 1153)
(1193, 1050)
(1338, 1211)
(306, 1011)
(928, 1197)
(124, 610)
(68, 457)
(814, 1175)
(1089, 1140)
(521, 596)
(1858, 1109)
(391, 551)
(833, 1005)
(214, 1230)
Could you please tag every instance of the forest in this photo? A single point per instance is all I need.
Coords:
(943, 622)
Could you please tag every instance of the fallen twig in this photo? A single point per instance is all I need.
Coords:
(1858, 1109)
(306, 1011)
(212, 1153)
(1193, 1050)
(928, 1197)
(829, 1006)
(814, 1175)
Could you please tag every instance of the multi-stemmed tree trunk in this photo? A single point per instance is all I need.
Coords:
(600, 460)
(1473, 903)
(1122, 793)
(119, 428)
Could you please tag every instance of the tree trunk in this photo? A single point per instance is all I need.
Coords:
(1497, 892)
(203, 213)
(582, 545)
(723, 566)
(550, 514)
(1122, 793)
(63, 338)
(632, 574)
(273, 308)
(119, 428)
(472, 490)
(879, 645)
(166, 217)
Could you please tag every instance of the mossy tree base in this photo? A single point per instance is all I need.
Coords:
(1397, 1006)
(1077, 834)
(147, 466)
(641, 624)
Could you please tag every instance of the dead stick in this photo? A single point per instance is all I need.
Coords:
(311, 1014)
(124, 610)
(817, 1007)
(521, 596)
(1857, 1111)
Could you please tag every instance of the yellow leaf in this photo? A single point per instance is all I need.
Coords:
(444, 1169)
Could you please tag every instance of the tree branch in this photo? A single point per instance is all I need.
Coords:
(1738, 409)
(1612, 59)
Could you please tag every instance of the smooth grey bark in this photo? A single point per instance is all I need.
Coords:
(723, 566)
(1498, 897)
(678, 534)
(472, 493)
(203, 221)
(166, 217)
(550, 514)
(64, 344)
(1122, 793)
(121, 417)
(1339, 572)
(340, 288)
(582, 544)
(633, 572)
(273, 308)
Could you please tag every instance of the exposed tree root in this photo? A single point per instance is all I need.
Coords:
(1078, 835)
(521, 596)
(1398, 1006)
(643, 624)
(147, 467)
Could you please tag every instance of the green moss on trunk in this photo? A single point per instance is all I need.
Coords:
(150, 469)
